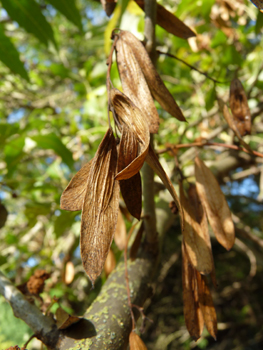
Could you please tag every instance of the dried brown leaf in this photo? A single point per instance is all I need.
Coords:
(154, 163)
(153, 79)
(170, 22)
(207, 305)
(108, 6)
(73, 196)
(136, 243)
(134, 84)
(120, 232)
(135, 342)
(64, 320)
(128, 114)
(239, 107)
(110, 263)
(100, 208)
(215, 204)
(131, 188)
(193, 317)
(233, 125)
(196, 237)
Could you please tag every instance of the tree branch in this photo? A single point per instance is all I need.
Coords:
(110, 313)
(44, 328)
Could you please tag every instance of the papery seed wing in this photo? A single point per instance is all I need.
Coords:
(130, 115)
(170, 22)
(135, 342)
(202, 220)
(206, 305)
(131, 189)
(215, 204)
(233, 125)
(134, 84)
(239, 107)
(100, 208)
(193, 317)
(154, 163)
(197, 241)
(73, 195)
(153, 79)
(120, 233)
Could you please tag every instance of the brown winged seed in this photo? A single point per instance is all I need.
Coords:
(196, 237)
(215, 204)
(128, 114)
(239, 107)
(134, 84)
(100, 208)
(153, 79)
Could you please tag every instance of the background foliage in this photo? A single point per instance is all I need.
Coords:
(53, 115)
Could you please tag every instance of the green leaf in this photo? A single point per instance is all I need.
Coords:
(6, 130)
(10, 57)
(13, 153)
(210, 99)
(28, 15)
(64, 221)
(259, 23)
(69, 10)
(51, 141)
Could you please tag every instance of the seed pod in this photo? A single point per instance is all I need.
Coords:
(136, 343)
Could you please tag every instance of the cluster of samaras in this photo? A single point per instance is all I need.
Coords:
(95, 188)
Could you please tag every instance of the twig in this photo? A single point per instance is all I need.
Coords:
(192, 67)
(127, 276)
(203, 144)
(147, 172)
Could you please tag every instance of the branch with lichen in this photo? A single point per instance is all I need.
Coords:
(43, 327)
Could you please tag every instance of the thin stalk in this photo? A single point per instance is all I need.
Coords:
(147, 172)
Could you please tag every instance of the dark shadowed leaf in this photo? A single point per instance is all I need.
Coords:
(10, 57)
(3, 215)
(100, 208)
(153, 79)
(215, 204)
(28, 15)
(52, 141)
(108, 6)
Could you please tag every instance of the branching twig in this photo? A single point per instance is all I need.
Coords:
(203, 144)
(192, 67)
